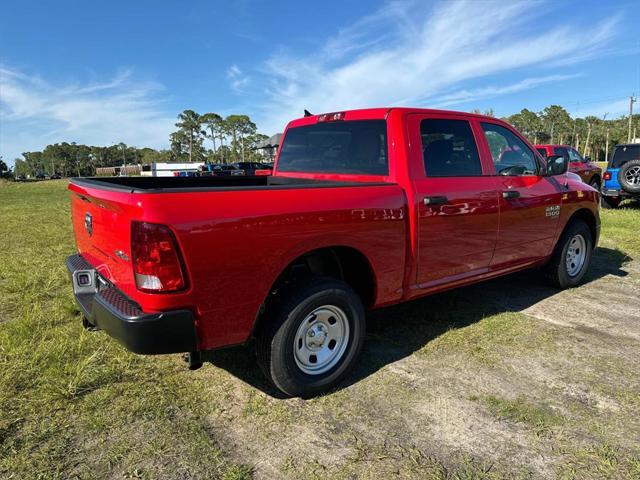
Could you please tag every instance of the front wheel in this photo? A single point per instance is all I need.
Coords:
(312, 338)
(571, 257)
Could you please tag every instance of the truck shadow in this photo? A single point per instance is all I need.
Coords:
(396, 332)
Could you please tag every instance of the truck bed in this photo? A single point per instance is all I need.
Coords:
(236, 235)
(186, 184)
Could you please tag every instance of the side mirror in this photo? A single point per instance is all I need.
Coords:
(588, 159)
(557, 165)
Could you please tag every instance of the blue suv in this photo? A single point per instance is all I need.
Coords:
(622, 178)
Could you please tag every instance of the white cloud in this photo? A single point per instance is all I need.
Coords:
(411, 54)
(237, 79)
(465, 96)
(34, 113)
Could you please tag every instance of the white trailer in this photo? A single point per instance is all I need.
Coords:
(174, 169)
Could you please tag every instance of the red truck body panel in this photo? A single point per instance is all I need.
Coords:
(236, 242)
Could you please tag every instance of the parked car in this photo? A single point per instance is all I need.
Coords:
(220, 170)
(365, 208)
(622, 177)
(584, 167)
(56, 176)
(41, 176)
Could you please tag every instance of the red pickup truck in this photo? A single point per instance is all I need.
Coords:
(588, 171)
(365, 208)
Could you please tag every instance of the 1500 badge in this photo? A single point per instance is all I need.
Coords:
(553, 211)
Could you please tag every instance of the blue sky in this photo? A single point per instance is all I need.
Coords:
(104, 72)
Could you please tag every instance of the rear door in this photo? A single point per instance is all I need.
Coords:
(457, 208)
(529, 202)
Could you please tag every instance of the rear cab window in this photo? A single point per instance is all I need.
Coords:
(340, 147)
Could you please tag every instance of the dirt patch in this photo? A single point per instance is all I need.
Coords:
(504, 378)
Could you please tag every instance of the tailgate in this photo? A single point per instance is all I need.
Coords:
(102, 229)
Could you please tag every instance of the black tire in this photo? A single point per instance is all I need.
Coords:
(629, 176)
(276, 338)
(595, 183)
(609, 202)
(556, 271)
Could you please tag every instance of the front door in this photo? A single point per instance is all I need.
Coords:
(529, 202)
(458, 218)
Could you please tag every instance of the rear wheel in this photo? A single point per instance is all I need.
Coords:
(311, 339)
(571, 257)
(595, 183)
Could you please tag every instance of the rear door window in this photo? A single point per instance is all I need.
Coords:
(561, 151)
(344, 147)
(449, 149)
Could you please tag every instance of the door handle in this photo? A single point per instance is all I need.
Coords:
(510, 194)
(430, 201)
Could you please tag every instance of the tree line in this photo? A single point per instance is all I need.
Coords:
(232, 139)
(592, 136)
(235, 137)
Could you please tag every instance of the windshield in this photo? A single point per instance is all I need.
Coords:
(351, 147)
(623, 154)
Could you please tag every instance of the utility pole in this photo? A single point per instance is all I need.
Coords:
(631, 100)
(586, 143)
(606, 150)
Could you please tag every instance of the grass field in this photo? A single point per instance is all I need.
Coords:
(504, 379)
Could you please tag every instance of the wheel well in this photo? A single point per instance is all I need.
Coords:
(597, 178)
(589, 218)
(344, 263)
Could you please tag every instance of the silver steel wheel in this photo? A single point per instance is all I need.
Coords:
(321, 340)
(633, 176)
(576, 255)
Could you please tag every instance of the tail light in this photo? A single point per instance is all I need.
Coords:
(606, 175)
(264, 172)
(157, 265)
